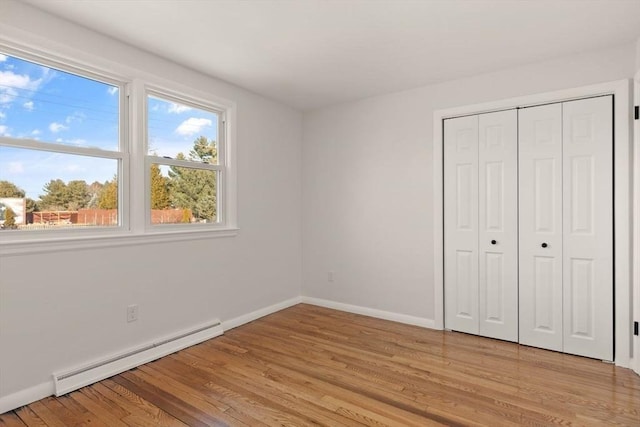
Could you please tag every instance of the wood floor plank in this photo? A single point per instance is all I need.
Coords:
(138, 407)
(309, 365)
(29, 417)
(47, 416)
(10, 419)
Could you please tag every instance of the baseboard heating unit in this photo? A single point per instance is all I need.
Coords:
(90, 373)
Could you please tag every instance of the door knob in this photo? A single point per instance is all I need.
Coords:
(493, 242)
(544, 245)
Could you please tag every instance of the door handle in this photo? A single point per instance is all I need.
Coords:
(544, 245)
(493, 242)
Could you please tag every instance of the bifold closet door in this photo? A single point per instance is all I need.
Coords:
(588, 227)
(498, 224)
(566, 227)
(540, 228)
(461, 224)
(480, 178)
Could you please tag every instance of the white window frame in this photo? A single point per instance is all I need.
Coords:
(121, 155)
(220, 168)
(134, 227)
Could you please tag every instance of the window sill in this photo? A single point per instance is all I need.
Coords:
(37, 246)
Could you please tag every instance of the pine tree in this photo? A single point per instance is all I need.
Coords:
(78, 195)
(9, 218)
(56, 195)
(9, 189)
(159, 189)
(196, 189)
(108, 198)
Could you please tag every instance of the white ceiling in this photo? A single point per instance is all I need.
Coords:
(313, 53)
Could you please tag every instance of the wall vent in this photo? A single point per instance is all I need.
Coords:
(90, 373)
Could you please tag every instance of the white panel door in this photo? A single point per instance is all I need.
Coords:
(588, 227)
(540, 226)
(461, 224)
(498, 224)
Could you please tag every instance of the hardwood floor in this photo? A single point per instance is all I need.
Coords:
(313, 366)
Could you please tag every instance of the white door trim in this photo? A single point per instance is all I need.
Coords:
(623, 162)
(636, 226)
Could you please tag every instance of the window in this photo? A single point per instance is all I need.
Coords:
(87, 156)
(61, 151)
(185, 161)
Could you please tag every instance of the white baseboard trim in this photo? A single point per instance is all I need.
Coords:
(254, 315)
(26, 396)
(372, 312)
(81, 376)
(65, 382)
(29, 395)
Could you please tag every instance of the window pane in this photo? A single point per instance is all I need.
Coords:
(181, 132)
(183, 195)
(58, 190)
(42, 103)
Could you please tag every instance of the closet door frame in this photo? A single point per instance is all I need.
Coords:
(636, 226)
(623, 199)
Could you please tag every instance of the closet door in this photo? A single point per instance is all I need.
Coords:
(540, 238)
(461, 224)
(498, 225)
(588, 227)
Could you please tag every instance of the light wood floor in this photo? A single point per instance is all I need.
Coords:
(308, 365)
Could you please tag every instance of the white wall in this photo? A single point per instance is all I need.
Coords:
(367, 180)
(61, 309)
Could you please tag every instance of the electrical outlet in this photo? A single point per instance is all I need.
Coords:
(132, 313)
(330, 276)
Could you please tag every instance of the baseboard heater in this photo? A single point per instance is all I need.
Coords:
(76, 378)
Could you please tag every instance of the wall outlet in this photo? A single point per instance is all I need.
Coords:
(132, 313)
(330, 276)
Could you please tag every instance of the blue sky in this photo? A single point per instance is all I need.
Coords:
(49, 105)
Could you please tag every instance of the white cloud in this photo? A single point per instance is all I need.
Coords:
(59, 140)
(3, 130)
(77, 141)
(16, 167)
(112, 90)
(28, 105)
(2, 115)
(75, 117)
(192, 126)
(57, 127)
(177, 108)
(3, 57)
(11, 83)
(35, 132)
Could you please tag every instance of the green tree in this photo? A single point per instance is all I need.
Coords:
(196, 189)
(78, 196)
(9, 218)
(31, 205)
(9, 189)
(108, 197)
(159, 189)
(204, 151)
(56, 195)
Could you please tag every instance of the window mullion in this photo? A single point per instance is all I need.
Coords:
(138, 173)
